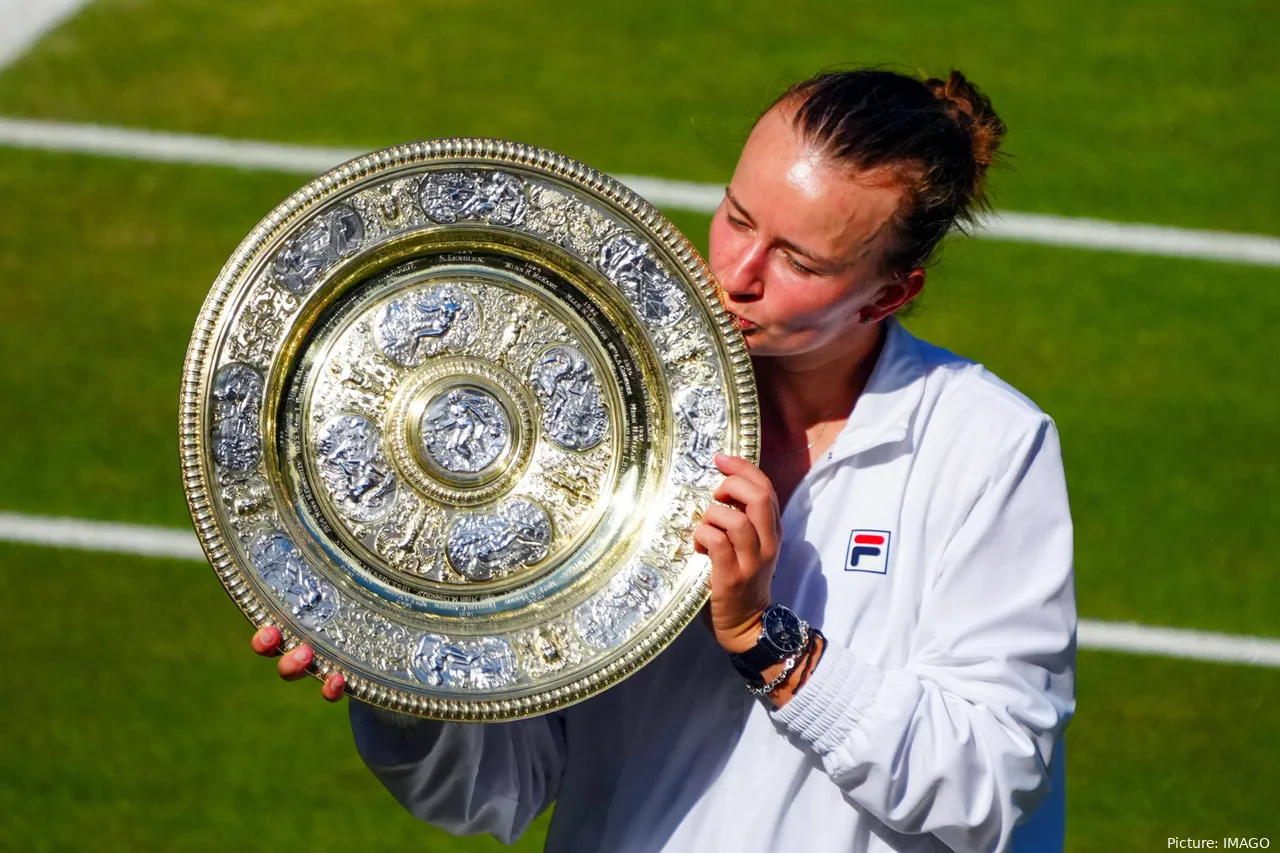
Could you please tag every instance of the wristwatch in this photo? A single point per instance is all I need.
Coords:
(782, 634)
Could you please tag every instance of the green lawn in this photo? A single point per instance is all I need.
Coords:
(139, 719)
(128, 732)
(133, 730)
(1153, 110)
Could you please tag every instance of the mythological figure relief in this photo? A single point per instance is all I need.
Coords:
(629, 263)
(465, 664)
(701, 420)
(482, 546)
(237, 404)
(633, 595)
(354, 467)
(465, 430)
(310, 599)
(490, 196)
(573, 414)
(334, 235)
(425, 322)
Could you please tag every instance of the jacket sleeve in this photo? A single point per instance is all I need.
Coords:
(466, 778)
(959, 741)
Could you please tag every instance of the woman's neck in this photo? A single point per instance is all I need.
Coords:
(801, 392)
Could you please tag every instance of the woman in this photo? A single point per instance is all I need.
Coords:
(909, 506)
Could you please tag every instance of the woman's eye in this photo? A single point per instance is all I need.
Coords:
(735, 222)
(799, 267)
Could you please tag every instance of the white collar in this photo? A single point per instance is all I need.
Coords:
(883, 411)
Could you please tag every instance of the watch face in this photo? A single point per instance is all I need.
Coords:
(782, 629)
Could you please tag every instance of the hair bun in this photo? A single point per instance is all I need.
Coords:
(972, 110)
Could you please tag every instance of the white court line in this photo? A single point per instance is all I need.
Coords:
(23, 22)
(181, 544)
(155, 146)
(100, 536)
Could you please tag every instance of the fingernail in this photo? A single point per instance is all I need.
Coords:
(301, 654)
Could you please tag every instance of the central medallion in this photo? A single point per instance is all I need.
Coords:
(464, 430)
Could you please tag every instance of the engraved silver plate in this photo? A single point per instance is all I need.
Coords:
(465, 430)
(449, 416)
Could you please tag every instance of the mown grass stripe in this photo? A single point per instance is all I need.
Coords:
(1082, 233)
(1093, 634)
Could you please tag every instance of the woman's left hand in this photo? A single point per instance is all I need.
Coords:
(741, 535)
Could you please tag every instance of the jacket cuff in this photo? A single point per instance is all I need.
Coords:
(832, 701)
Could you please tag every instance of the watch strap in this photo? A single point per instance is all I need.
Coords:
(764, 654)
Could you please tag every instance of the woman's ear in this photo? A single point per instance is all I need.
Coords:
(900, 290)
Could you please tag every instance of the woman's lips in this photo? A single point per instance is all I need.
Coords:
(743, 323)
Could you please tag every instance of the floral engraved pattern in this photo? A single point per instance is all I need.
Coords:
(261, 324)
(373, 639)
(568, 222)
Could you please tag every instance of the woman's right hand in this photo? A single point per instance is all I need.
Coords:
(294, 664)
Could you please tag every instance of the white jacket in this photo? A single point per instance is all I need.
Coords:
(934, 719)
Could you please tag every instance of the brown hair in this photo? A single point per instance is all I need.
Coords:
(937, 136)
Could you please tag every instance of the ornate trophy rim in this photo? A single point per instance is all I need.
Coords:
(199, 367)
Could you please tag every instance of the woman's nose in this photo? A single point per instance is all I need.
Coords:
(743, 276)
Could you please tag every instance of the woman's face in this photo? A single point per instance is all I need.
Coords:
(796, 245)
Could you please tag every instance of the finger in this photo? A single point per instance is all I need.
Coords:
(737, 490)
(741, 532)
(293, 665)
(761, 506)
(333, 687)
(716, 545)
(736, 465)
(266, 641)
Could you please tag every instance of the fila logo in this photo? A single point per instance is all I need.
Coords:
(868, 552)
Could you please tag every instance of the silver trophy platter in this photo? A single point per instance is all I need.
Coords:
(448, 416)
